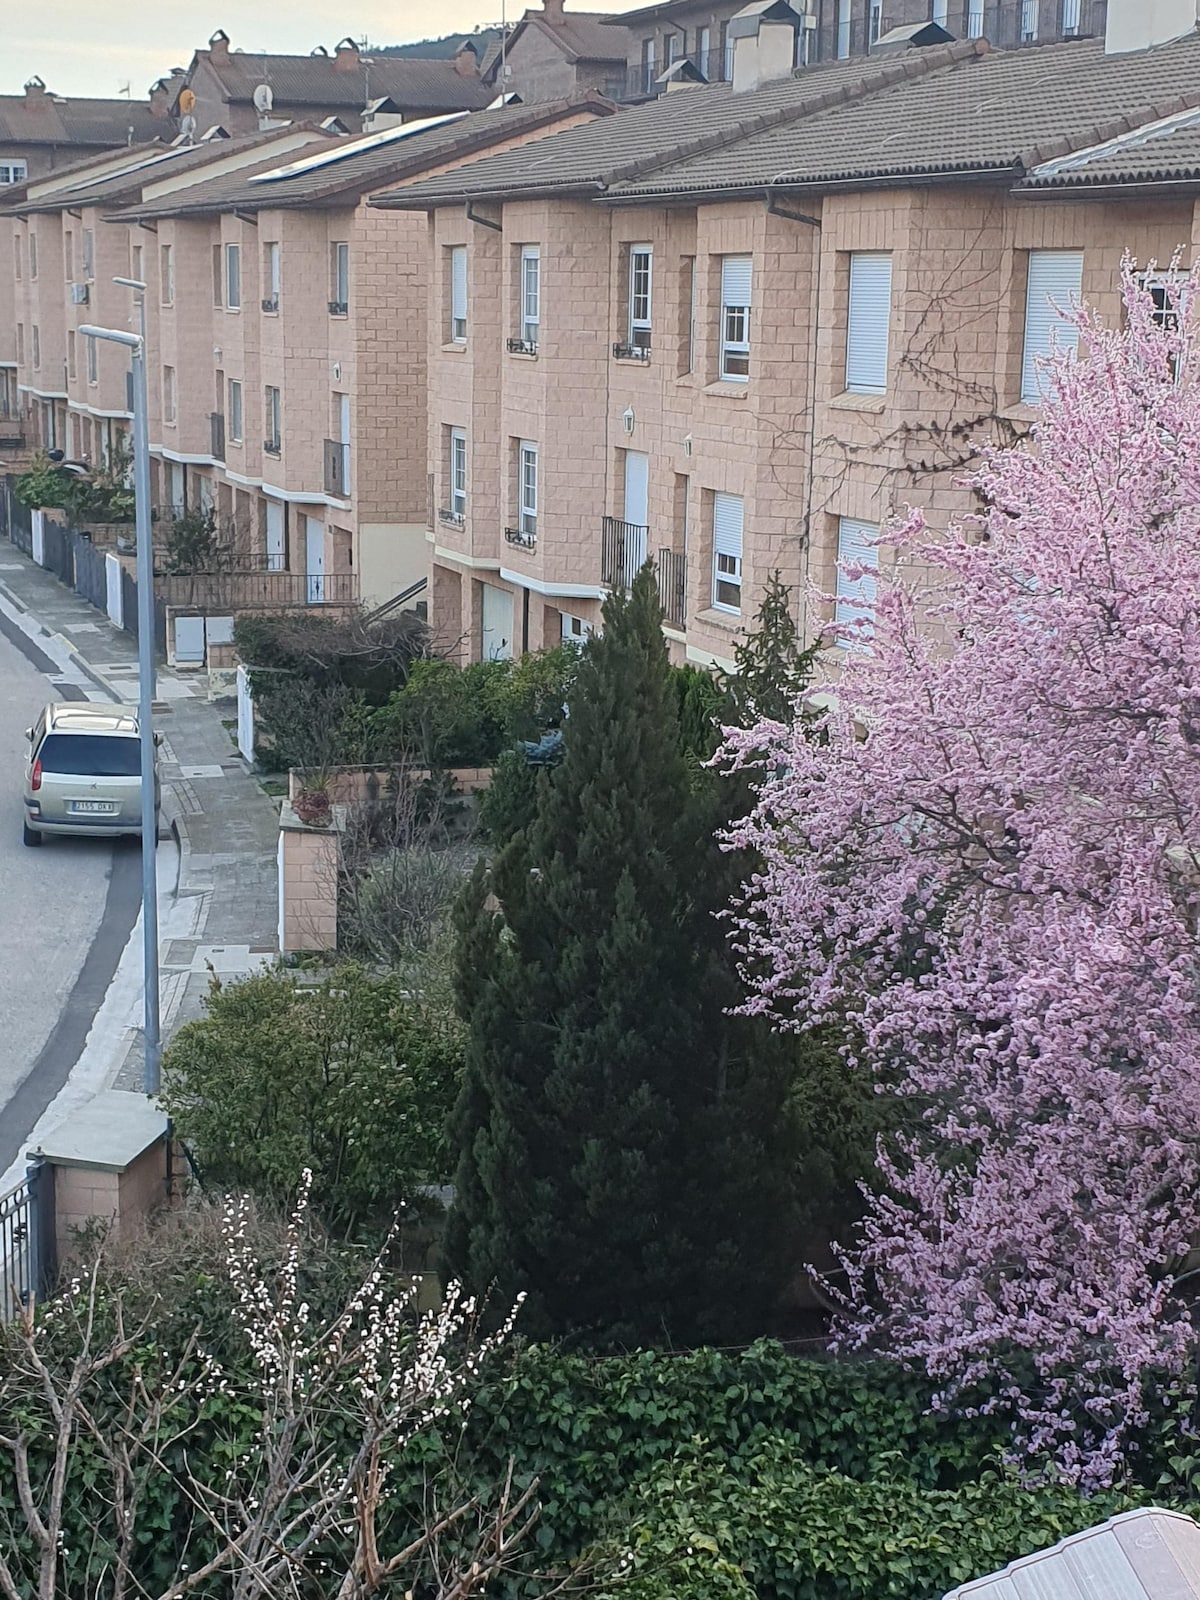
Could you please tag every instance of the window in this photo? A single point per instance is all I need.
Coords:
(17, 254)
(527, 487)
(974, 19)
(687, 315)
(33, 255)
(20, 344)
(703, 51)
(856, 548)
(273, 442)
(458, 473)
(458, 294)
(167, 274)
(70, 352)
(168, 391)
(674, 48)
(940, 12)
(37, 347)
(726, 54)
(217, 288)
(649, 65)
(137, 263)
(574, 629)
(13, 171)
(235, 411)
(531, 294)
(640, 273)
(271, 276)
(339, 280)
(867, 323)
(89, 254)
(1053, 277)
(93, 360)
(1163, 289)
(735, 318)
(843, 29)
(876, 22)
(233, 277)
(1029, 21)
(728, 516)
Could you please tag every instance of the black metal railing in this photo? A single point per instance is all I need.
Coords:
(524, 538)
(631, 352)
(522, 347)
(641, 80)
(272, 447)
(270, 302)
(258, 590)
(623, 551)
(339, 308)
(216, 423)
(455, 519)
(337, 468)
(672, 585)
(27, 1252)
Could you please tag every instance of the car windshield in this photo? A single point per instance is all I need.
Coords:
(86, 755)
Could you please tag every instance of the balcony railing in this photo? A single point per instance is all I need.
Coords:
(672, 585)
(337, 468)
(270, 302)
(641, 81)
(522, 347)
(631, 352)
(259, 590)
(454, 519)
(339, 308)
(524, 538)
(216, 422)
(623, 550)
(272, 447)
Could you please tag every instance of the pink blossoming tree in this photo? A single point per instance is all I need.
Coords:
(990, 870)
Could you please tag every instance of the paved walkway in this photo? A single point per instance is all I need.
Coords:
(221, 914)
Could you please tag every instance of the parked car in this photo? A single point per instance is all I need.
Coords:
(83, 773)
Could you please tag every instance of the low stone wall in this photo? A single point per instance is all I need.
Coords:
(350, 786)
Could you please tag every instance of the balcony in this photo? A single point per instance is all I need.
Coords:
(452, 519)
(523, 538)
(631, 352)
(522, 347)
(216, 423)
(624, 551)
(337, 468)
(641, 81)
(253, 587)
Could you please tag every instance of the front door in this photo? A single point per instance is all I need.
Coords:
(314, 565)
(637, 513)
(497, 623)
(276, 536)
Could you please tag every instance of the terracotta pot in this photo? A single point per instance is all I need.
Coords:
(312, 807)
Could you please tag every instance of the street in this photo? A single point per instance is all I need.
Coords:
(66, 911)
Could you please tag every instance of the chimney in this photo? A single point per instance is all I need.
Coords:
(466, 62)
(346, 56)
(35, 89)
(763, 35)
(218, 47)
(160, 99)
(552, 11)
(1138, 24)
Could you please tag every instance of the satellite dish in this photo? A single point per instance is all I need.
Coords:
(187, 102)
(187, 126)
(264, 99)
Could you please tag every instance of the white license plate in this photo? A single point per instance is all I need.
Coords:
(92, 808)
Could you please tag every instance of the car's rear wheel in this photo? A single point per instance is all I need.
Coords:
(30, 836)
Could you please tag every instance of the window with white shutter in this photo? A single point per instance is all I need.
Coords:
(867, 318)
(728, 519)
(458, 472)
(640, 275)
(736, 273)
(1054, 277)
(856, 547)
(458, 294)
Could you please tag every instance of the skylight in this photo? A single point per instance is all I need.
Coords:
(124, 171)
(369, 141)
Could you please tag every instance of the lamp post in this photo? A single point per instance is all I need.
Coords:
(136, 345)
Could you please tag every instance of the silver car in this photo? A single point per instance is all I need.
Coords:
(83, 773)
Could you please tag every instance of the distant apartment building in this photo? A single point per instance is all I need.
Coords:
(553, 53)
(41, 131)
(731, 330)
(239, 90)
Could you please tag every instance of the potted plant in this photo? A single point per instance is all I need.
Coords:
(312, 804)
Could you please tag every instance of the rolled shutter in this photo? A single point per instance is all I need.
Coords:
(458, 284)
(855, 547)
(735, 280)
(1054, 276)
(869, 314)
(728, 517)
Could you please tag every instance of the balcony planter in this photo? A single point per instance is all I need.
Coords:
(313, 806)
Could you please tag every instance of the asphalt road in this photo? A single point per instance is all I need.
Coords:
(66, 912)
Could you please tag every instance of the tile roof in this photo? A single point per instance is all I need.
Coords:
(1163, 152)
(54, 119)
(148, 164)
(643, 137)
(417, 83)
(995, 111)
(583, 35)
(354, 166)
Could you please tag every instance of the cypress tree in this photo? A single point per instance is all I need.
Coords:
(616, 1145)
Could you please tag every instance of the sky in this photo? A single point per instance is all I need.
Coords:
(79, 47)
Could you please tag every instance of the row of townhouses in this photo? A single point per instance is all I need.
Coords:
(501, 357)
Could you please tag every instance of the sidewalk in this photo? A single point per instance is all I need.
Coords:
(225, 910)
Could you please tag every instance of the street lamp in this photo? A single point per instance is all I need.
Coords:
(136, 345)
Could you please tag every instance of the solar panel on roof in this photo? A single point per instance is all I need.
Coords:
(342, 152)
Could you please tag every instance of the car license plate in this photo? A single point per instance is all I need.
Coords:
(92, 808)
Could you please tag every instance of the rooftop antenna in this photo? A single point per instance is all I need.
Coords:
(126, 89)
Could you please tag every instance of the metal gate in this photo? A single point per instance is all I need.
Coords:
(27, 1252)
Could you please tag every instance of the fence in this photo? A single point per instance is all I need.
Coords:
(16, 520)
(27, 1251)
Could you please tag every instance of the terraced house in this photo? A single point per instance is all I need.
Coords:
(734, 328)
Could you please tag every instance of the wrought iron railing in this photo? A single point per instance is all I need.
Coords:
(455, 519)
(641, 80)
(672, 585)
(631, 352)
(270, 302)
(339, 308)
(27, 1254)
(522, 347)
(258, 590)
(623, 550)
(525, 538)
